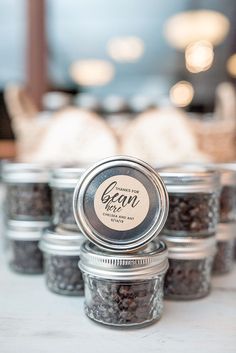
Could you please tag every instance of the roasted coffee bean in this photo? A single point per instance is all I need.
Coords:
(228, 204)
(123, 303)
(25, 256)
(62, 200)
(29, 201)
(224, 258)
(63, 275)
(192, 213)
(188, 279)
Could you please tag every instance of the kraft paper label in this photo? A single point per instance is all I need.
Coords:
(121, 202)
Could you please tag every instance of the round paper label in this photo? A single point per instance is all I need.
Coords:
(121, 202)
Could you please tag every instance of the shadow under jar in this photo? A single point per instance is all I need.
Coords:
(193, 202)
(224, 258)
(61, 253)
(28, 196)
(62, 183)
(190, 267)
(124, 290)
(24, 255)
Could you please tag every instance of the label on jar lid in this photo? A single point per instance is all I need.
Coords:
(120, 204)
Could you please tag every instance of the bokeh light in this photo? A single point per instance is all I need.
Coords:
(191, 26)
(199, 56)
(125, 49)
(92, 72)
(181, 94)
(231, 65)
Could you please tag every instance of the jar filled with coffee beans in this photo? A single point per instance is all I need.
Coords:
(228, 192)
(61, 253)
(190, 266)
(224, 258)
(62, 183)
(28, 196)
(23, 237)
(193, 202)
(124, 289)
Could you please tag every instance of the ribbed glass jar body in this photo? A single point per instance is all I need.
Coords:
(28, 201)
(192, 213)
(188, 279)
(62, 201)
(25, 256)
(123, 303)
(63, 275)
(228, 204)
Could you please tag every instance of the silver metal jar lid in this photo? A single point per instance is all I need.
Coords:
(57, 241)
(225, 231)
(26, 230)
(148, 263)
(65, 177)
(120, 203)
(24, 173)
(189, 179)
(188, 248)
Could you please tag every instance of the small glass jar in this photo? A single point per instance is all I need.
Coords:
(224, 258)
(124, 289)
(28, 196)
(190, 266)
(193, 202)
(24, 255)
(61, 252)
(63, 182)
(228, 192)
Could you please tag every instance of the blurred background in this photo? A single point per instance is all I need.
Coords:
(82, 80)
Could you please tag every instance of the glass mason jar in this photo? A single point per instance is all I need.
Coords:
(28, 196)
(61, 252)
(62, 183)
(190, 266)
(224, 258)
(228, 192)
(23, 237)
(193, 202)
(124, 289)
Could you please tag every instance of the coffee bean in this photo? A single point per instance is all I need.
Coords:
(123, 304)
(188, 279)
(28, 201)
(228, 204)
(63, 275)
(25, 256)
(224, 258)
(192, 213)
(62, 200)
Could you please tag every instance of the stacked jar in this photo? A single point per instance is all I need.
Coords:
(224, 258)
(190, 230)
(121, 205)
(28, 212)
(61, 243)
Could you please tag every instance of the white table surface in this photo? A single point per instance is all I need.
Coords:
(34, 320)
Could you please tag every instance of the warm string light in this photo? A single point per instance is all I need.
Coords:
(125, 49)
(191, 26)
(199, 56)
(92, 72)
(231, 65)
(181, 94)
